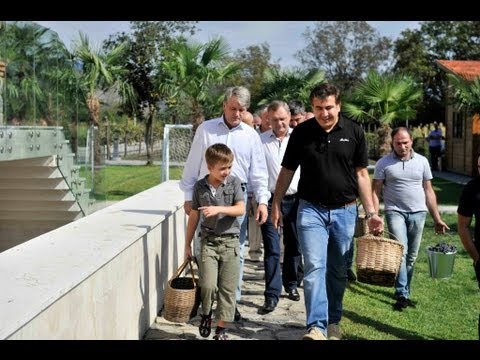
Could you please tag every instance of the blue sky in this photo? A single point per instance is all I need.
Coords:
(284, 37)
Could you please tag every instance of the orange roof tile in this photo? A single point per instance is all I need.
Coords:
(467, 69)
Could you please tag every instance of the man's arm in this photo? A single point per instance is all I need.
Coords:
(258, 179)
(464, 223)
(191, 171)
(431, 199)
(377, 187)
(375, 222)
(283, 182)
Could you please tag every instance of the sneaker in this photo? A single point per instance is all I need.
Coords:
(222, 335)
(351, 276)
(205, 327)
(333, 331)
(314, 333)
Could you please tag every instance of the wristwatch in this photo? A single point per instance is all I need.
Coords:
(368, 215)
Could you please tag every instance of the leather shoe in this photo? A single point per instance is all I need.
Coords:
(351, 276)
(237, 316)
(294, 295)
(269, 305)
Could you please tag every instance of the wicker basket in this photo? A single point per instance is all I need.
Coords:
(378, 260)
(182, 296)
(361, 226)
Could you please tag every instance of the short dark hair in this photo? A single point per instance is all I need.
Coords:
(397, 129)
(325, 90)
(296, 107)
(218, 153)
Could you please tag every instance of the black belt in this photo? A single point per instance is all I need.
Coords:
(335, 206)
(286, 197)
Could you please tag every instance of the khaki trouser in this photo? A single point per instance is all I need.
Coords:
(219, 271)
(255, 240)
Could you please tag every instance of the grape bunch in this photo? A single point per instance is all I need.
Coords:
(443, 248)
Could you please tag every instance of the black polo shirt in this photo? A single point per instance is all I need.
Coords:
(469, 205)
(327, 160)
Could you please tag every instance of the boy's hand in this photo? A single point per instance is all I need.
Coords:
(209, 210)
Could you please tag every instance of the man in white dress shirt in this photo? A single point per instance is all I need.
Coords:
(249, 163)
(275, 143)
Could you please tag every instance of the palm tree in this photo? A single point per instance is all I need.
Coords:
(466, 93)
(289, 85)
(384, 100)
(28, 51)
(99, 71)
(192, 70)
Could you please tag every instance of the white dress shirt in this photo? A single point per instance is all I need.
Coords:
(274, 150)
(249, 160)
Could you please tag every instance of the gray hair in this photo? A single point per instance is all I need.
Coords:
(277, 104)
(241, 93)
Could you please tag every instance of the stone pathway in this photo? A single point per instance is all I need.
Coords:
(286, 322)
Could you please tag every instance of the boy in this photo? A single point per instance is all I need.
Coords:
(219, 198)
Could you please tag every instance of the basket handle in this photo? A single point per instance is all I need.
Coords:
(392, 236)
(183, 266)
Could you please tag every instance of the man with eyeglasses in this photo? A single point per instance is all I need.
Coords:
(331, 151)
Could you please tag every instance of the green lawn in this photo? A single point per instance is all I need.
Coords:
(448, 193)
(121, 182)
(446, 308)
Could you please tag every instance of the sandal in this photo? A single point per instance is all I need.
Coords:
(205, 327)
(222, 335)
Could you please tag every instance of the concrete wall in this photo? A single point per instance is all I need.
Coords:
(100, 277)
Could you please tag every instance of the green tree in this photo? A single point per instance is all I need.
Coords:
(253, 60)
(415, 52)
(148, 44)
(385, 101)
(100, 70)
(286, 85)
(466, 93)
(33, 56)
(193, 69)
(345, 50)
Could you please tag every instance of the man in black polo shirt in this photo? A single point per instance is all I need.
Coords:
(332, 154)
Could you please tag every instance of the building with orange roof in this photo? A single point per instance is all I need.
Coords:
(462, 145)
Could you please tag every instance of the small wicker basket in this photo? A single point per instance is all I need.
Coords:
(182, 296)
(378, 260)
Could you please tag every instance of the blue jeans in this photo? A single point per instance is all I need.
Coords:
(408, 229)
(243, 221)
(323, 233)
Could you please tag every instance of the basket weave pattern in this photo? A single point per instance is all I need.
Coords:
(182, 296)
(378, 260)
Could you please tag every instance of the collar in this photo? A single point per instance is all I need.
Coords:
(204, 181)
(222, 121)
(272, 134)
(395, 156)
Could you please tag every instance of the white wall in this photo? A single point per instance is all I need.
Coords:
(100, 277)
